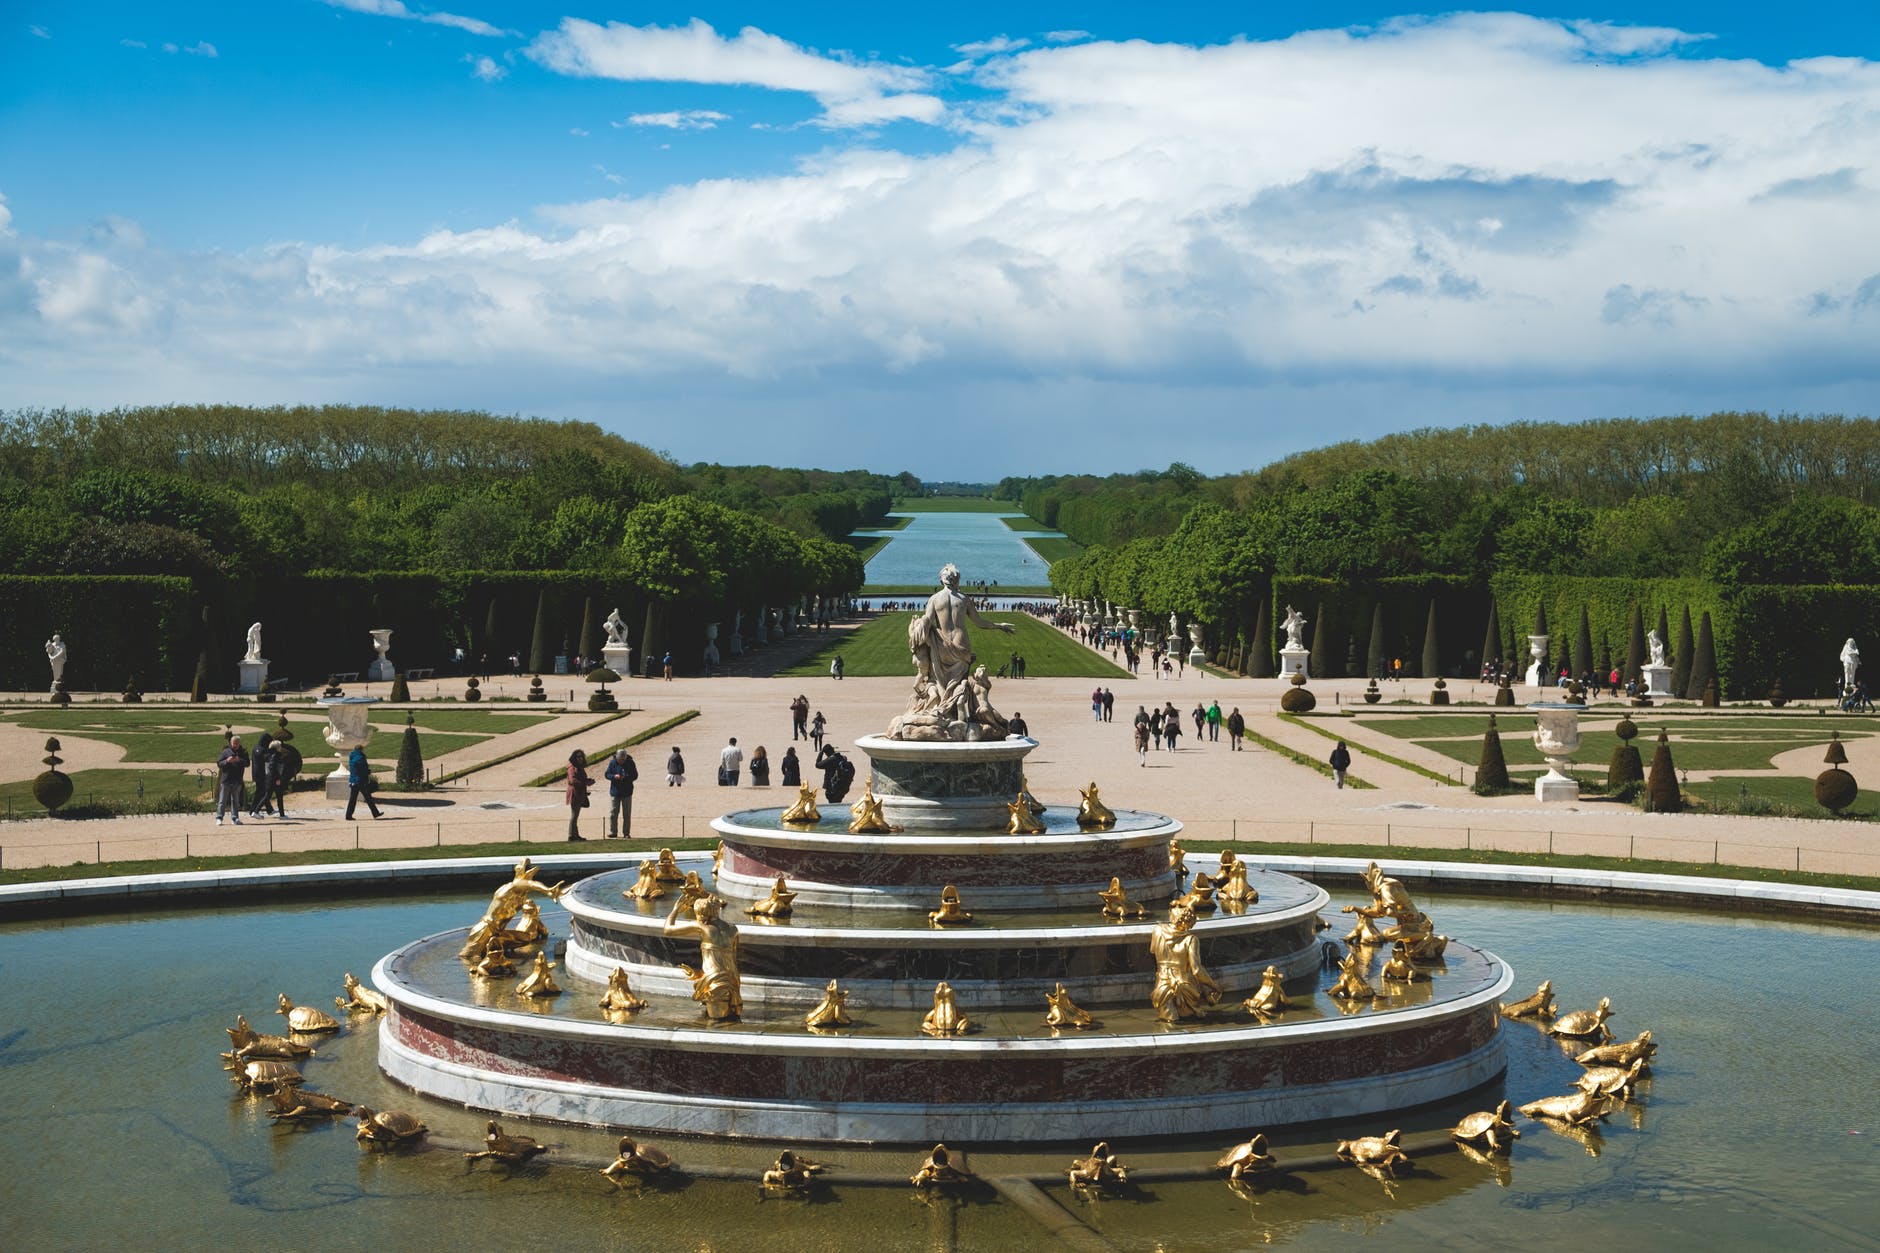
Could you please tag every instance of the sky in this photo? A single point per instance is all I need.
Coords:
(968, 240)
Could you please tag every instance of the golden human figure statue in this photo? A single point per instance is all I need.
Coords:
(1024, 821)
(1200, 894)
(246, 1045)
(1611, 1080)
(950, 914)
(1384, 1152)
(1231, 886)
(1352, 985)
(1585, 1022)
(718, 861)
(1398, 969)
(945, 1017)
(305, 1018)
(1495, 1128)
(500, 1146)
(300, 1105)
(777, 904)
(495, 962)
(505, 903)
(1389, 899)
(1101, 1169)
(360, 999)
(637, 1162)
(1640, 1047)
(1183, 987)
(718, 987)
(540, 981)
(1116, 902)
(792, 1173)
(527, 927)
(1269, 1000)
(1177, 859)
(803, 812)
(647, 887)
(1024, 794)
(1540, 1005)
(1575, 1109)
(619, 997)
(865, 816)
(939, 1170)
(390, 1126)
(1093, 814)
(831, 1011)
(1063, 1012)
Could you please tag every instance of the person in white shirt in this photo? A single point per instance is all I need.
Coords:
(730, 762)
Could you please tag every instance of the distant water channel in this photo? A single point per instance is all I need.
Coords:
(981, 545)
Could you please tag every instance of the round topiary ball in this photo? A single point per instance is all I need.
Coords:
(1835, 789)
(1371, 694)
(1298, 699)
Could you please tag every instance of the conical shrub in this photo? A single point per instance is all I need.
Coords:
(1635, 654)
(1432, 653)
(541, 644)
(1661, 785)
(1491, 769)
(1258, 660)
(1583, 646)
(1625, 766)
(1703, 661)
(1491, 638)
(1374, 652)
(401, 692)
(410, 756)
(1681, 659)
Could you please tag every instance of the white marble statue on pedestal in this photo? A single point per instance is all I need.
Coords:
(1656, 647)
(56, 653)
(381, 668)
(254, 643)
(1294, 656)
(1850, 662)
(952, 697)
(252, 669)
(1656, 673)
(616, 653)
(616, 627)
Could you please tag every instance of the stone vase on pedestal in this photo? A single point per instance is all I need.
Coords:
(346, 729)
(1196, 654)
(1557, 736)
(1537, 667)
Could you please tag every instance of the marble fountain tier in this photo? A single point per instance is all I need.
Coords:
(861, 919)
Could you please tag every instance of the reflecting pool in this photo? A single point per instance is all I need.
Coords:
(984, 548)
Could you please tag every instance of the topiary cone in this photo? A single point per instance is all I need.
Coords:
(410, 756)
(1298, 699)
(1439, 695)
(1777, 697)
(1625, 766)
(1661, 785)
(52, 787)
(400, 693)
(1491, 770)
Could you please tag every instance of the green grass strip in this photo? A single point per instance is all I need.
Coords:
(1054, 547)
(1310, 763)
(955, 504)
(1034, 591)
(561, 772)
(454, 775)
(1368, 751)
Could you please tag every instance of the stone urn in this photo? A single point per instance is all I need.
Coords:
(346, 729)
(1537, 661)
(1557, 737)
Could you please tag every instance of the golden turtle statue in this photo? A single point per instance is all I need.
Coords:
(387, 1127)
(288, 1104)
(505, 1148)
(1383, 1152)
(1585, 1022)
(1540, 1005)
(246, 1045)
(636, 1161)
(1249, 1157)
(263, 1076)
(305, 1018)
(1574, 1109)
(1494, 1128)
(1640, 1047)
(1615, 1081)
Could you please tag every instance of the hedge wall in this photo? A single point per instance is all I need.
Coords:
(118, 627)
(1795, 632)
(1461, 609)
(1608, 604)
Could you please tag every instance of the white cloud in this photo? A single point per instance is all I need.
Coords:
(133, 43)
(1423, 223)
(38, 32)
(1066, 36)
(202, 48)
(852, 92)
(485, 68)
(397, 9)
(577, 132)
(683, 120)
(609, 176)
(171, 48)
(995, 46)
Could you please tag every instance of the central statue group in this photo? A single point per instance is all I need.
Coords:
(952, 696)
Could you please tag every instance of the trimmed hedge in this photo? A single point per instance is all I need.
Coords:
(1346, 612)
(119, 627)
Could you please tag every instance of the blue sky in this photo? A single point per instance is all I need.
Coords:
(965, 242)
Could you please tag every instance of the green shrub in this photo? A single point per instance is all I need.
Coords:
(410, 770)
(1491, 769)
(1661, 785)
(1624, 768)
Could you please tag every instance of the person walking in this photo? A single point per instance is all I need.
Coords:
(1214, 722)
(1200, 715)
(1096, 705)
(816, 728)
(1015, 725)
(1109, 705)
(790, 772)
(665, 663)
(576, 793)
(621, 775)
(1341, 762)
(359, 783)
(760, 767)
(835, 667)
(675, 768)
(730, 763)
(1142, 738)
(1236, 731)
(1155, 728)
(799, 718)
(1172, 729)
(280, 771)
(231, 767)
(258, 771)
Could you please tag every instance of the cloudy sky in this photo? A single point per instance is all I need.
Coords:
(970, 241)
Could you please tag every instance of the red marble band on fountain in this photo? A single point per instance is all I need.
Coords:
(841, 867)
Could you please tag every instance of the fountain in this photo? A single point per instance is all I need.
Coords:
(989, 994)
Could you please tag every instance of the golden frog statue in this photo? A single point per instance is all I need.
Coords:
(1269, 1000)
(831, 1011)
(803, 812)
(306, 1019)
(1063, 1012)
(387, 1127)
(1024, 794)
(1495, 1128)
(506, 903)
(619, 997)
(246, 1045)
(1352, 985)
(495, 962)
(1183, 987)
(1540, 1005)
(1232, 886)
(647, 887)
(1093, 814)
(668, 870)
(865, 816)
(1200, 895)
(1384, 1152)
(945, 1017)
(949, 914)
(526, 929)
(503, 1147)
(1102, 1169)
(540, 981)
(1024, 821)
(940, 1170)
(777, 904)
(636, 1161)
(360, 999)
(1116, 902)
(792, 1173)
(1640, 1047)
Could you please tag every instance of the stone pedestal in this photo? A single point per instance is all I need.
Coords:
(380, 671)
(1657, 680)
(618, 658)
(1557, 736)
(1293, 661)
(251, 676)
(945, 786)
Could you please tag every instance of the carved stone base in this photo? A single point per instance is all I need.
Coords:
(251, 676)
(1293, 661)
(619, 658)
(1657, 680)
(1554, 787)
(947, 786)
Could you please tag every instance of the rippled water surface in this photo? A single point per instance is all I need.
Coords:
(1758, 1129)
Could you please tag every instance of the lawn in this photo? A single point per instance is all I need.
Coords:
(1794, 792)
(956, 504)
(893, 522)
(1054, 547)
(1026, 524)
(880, 649)
(866, 546)
(108, 784)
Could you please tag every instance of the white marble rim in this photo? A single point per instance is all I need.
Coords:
(936, 840)
(743, 887)
(940, 750)
(594, 1105)
(705, 1040)
(972, 936)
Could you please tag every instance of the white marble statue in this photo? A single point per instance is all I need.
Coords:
(1656, 645)
(254, 643)
(616, 628)
(1850, 662)
(56, 653)
(952, 697)
(1295, 626)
